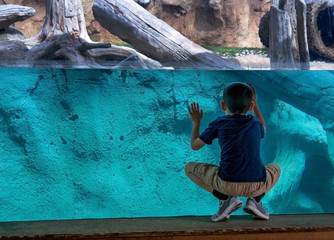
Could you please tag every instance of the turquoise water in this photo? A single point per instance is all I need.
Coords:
(113, 143)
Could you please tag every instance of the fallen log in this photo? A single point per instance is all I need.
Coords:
(155, 38)
(316, 43)
(12, 13)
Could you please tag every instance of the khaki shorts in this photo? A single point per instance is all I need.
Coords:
(208, 173)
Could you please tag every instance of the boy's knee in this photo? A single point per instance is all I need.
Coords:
(189, 167)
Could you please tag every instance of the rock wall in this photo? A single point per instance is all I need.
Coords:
(210, 22)
(215, 22)
(103, 144)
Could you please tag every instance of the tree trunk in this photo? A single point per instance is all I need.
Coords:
(64, 36)
(155, 38)
(62, 17)
(288, 38)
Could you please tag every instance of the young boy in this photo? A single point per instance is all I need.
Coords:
(241, 171)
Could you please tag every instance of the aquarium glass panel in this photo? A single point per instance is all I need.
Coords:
(96, 143)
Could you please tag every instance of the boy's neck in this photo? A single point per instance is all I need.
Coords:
(231, 114)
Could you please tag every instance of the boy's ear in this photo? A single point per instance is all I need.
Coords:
(251, 106)
(223, 105)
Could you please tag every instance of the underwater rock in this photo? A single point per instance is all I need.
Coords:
(286, 118)
(312, 94)
(330, 141)
(302, 203)
(297, 150)
(291, 160)
(13, 13)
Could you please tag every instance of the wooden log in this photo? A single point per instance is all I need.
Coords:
(304, 55)
(316, 44)
(12, 13)
(155, 38)
(288, 38)
(62, 17)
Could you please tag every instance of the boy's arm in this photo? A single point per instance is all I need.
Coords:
(196, 116)
(256, 108)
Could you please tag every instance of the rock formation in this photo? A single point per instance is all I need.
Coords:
(312, 95)
(214, 22)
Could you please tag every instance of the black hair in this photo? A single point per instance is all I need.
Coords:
(238, 97)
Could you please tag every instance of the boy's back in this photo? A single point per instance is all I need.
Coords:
(239, 138)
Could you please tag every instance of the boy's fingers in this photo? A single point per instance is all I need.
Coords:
(192, 106)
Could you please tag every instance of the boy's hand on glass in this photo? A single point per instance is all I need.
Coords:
(195, 113)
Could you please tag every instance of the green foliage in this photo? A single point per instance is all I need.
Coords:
(123, 45)
(224, 51)
(235, 51)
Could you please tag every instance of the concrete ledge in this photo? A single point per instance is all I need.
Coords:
(314, 226)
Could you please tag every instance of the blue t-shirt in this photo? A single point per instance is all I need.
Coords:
(239, 138)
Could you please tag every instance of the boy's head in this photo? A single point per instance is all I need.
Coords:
(237, 98)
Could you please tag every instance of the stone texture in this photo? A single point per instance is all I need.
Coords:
(13, 13)
(215, 22)
(294, 157)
